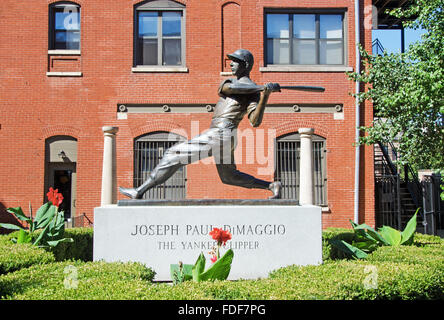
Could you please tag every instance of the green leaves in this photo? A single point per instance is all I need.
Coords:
(198, 268)
(18, 212)
(407, 90)
(392, 236)
(181, 272)
(409, 231)
(365, 232)
(54, 228)
(348, 249)
(368, 240)
(24, 237)
(218, 271)
(44, 215)
(10, 226)
(48, 219)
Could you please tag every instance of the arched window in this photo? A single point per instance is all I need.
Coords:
(288, 167)
(148, 150)
(64, 26)
(159, 33)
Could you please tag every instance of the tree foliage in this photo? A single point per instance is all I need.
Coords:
(407, 90)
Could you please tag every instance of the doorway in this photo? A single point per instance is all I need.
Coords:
(60, 171)
(63, 178)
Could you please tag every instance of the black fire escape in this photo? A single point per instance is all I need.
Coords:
(398, 191)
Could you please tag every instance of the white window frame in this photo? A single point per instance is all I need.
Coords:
(159, 6)
(308, 67)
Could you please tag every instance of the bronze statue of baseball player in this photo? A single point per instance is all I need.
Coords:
(239, 96)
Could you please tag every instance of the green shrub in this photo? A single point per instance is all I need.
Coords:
(17, 256)
(91, 280)
(330, 252)
(353, 280)
(430, 255)
(398, 272)
(403, 272)
(80, 249)
(334, 280)
(427, 240)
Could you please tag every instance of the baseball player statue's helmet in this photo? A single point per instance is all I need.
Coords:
(244, 56)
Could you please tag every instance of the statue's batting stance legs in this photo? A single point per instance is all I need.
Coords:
(214, 142)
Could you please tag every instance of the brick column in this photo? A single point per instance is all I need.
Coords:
(306, 167)
(109, 185)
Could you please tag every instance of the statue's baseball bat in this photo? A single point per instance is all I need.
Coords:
(278, 87)
(303, 88)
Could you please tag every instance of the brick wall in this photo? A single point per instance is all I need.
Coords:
(36, 106)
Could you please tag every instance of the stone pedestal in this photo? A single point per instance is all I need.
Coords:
(265, 237)
(109, 191)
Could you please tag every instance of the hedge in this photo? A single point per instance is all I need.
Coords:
(77, 280)
(333, 280)
(17, 256)
(328, 251)
(80, 249)
(404, 272)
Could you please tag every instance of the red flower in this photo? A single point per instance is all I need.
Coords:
(213, 258)
(221, 236)
(55, 197)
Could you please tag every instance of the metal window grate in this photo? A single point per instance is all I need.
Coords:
(147, 154)
(288, 168)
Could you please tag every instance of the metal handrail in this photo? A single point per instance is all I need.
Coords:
(416, 194)
(388, 161)
(416, 191)
(376, 44)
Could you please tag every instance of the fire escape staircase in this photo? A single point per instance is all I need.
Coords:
(405, 193)
(398, 192)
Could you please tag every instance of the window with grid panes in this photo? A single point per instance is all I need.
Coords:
(287, 159)
(301, 38)
(148, 151)
(159, 34)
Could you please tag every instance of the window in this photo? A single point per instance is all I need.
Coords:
(288, 167)
(64, 26)
(148, 150)
(295, 38)
(159, 34)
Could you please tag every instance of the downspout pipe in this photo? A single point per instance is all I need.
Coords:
(357, 112)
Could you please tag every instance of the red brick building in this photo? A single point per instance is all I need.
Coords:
(153, 67)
